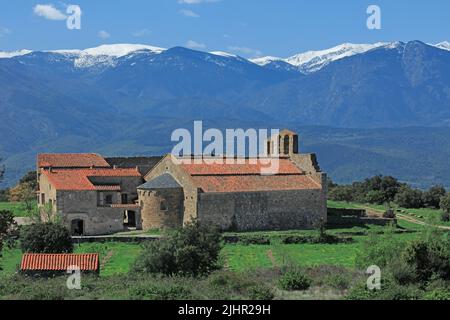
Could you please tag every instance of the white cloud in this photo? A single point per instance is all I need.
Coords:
(141, 33)
(48, 11)
(4, 31)
(103, 34)
(247, 51)
(189, 13)
(196, 1)
(195, 45)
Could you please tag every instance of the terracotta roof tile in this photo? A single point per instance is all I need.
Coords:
(59, 262)
(78, 179)
(71, 160)
(250, 166)
(254, 183)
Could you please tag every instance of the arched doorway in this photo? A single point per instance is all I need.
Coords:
(77, 227)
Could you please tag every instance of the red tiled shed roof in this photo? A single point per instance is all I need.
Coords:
(254, 183)
(78, 179)
(59, 262)
(250, 166)
(71, 160)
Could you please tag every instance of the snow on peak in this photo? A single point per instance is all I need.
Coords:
(265, 60)
(112, 50)
(105, 55)
(223, 54)
(312, 61)
(11, 54)
(443, 45)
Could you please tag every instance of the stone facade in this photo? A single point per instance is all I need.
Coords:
(298, 208)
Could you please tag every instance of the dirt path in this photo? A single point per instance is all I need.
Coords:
(407, 218)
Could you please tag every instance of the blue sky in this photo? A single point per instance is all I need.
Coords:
(246, 27)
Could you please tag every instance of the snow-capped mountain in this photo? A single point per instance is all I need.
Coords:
(312, 61)
(443, 45)
(11, 54)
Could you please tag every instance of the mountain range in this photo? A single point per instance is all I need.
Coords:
(126, 99)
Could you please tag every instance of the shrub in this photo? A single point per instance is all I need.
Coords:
(257, 239)
(437, 294)
(46, 238)
(192, 250)
(159, 292)
(261, 292)
(429, 258)
(389, 291)
(294, 280)
(445, 217)
(444, 204)
(338, 281)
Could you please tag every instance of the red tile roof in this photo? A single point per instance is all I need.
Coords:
(71, 160)
(78, 179)
(254, 183)
(250, 166)
(249, 176)
(59, 262)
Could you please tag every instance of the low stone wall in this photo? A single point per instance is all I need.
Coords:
(358, 221)
(341, 212)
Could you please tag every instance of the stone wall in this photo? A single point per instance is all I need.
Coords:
(153, 217)
(274, 210)
(184, 179)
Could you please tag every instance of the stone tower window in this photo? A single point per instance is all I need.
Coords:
(163, 205)
(269, 151)
(295, 148)
(286, 145)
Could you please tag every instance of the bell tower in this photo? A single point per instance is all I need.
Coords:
(287, 144)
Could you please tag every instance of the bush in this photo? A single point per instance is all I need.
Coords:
(338, 281)
(389, 291)
(261, 292)
(159, 292)
(192, 250)
(341, 193)
(445, 217)
(437, 294)
(444, 204)
(429, 258)
(257, 239)
(294, 280)
(45, 238)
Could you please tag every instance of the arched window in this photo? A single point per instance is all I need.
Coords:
(286, 145)
(295, 151)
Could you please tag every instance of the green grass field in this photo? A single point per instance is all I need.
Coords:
(117, 258)
(431, 216)
(17, 208)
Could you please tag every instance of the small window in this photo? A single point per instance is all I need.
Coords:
(286, 145)
(163, 205)
(124, 198)
(43, 198)
(108, 199)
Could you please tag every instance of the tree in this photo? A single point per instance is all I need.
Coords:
(24, 192)
(409, 198)
(432, 197)
(30, 178)
(46, 238)
(445, 203)
(8, 228)
(192, 250)
(341, 193)
(376, 197)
